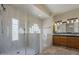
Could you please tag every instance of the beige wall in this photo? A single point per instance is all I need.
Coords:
(43, 8)
(67, 15)
(46, 33)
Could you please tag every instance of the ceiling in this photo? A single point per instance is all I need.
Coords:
(52, 9)
(33, 10)
(61, 8)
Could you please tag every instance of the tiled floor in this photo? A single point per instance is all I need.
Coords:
(58, 50)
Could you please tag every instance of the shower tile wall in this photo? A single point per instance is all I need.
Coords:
(8, 44)
(20, 46)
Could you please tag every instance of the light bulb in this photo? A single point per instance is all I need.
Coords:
(68, 22)
(60, 22)
(77, 20)
(72, 21)
(57, 23)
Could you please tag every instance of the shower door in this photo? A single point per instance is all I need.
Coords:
(12, 34)
(16, 36)
(1, 36)
(33, 37)
(15, 40)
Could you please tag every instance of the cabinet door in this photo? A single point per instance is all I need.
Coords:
(73, 42)
(63, 40)
(60, 40)
(69, 41)
(76, 42)
(56, 40)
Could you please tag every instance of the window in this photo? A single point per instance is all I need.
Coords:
(34, 29)
(14, 29)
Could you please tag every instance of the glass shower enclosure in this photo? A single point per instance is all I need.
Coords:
(18, 36)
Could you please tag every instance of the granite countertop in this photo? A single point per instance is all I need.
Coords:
(68, 34)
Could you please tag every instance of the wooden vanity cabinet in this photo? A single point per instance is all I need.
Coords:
(68, 41)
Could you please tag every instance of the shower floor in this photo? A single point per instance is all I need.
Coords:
(27, 51)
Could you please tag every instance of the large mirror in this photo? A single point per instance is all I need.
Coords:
(69, 26)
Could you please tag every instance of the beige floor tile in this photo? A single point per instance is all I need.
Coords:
(58, 50)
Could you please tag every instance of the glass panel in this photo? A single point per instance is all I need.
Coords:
(34, 29)
(14, 29)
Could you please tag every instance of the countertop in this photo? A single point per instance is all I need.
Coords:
(67, 34)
